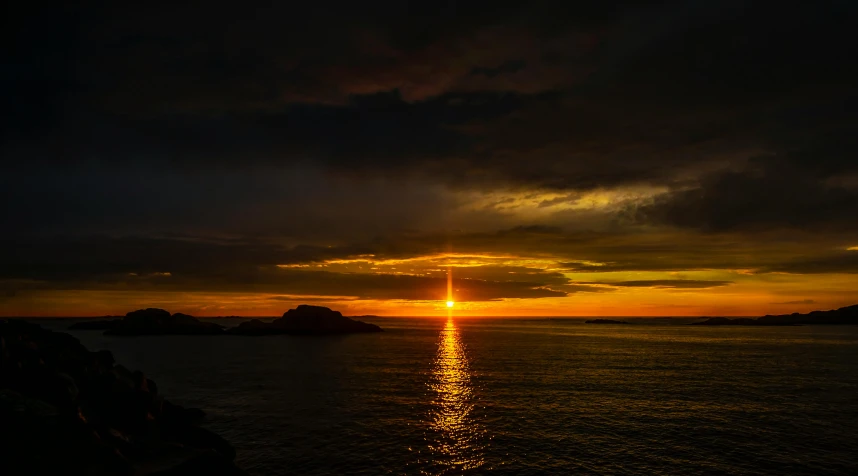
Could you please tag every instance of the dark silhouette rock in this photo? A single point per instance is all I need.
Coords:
(66, 410)
(843, 316)
(306, 320)
(160, 322)
(746, 321)
(604, 321)
(251, 327)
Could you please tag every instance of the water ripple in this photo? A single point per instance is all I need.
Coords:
(457, 439)
(515, 397)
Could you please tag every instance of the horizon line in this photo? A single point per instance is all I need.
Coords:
(422, 316)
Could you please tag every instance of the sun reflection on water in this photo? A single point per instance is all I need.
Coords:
(457, 436)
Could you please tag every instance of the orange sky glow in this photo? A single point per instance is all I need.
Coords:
(646, 293)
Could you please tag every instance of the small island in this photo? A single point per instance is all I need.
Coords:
(843, 316)
(160, 322)
(604, 321)
(305, 320)
(150, 321)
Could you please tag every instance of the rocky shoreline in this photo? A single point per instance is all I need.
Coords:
(67, 410)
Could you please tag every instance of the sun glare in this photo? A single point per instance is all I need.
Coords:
(450, 303)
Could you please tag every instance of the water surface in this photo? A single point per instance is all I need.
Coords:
(519, 396)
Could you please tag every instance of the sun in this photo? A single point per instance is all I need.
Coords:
(450, 303)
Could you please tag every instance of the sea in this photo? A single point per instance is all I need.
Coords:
(504, 396)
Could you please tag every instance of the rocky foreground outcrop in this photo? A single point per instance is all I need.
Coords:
(65, 410)
(153, 321)
(305, 320)
(843, 316)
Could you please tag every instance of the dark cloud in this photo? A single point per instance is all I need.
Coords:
(678, 250)
(214, 141)
(508, 273)
(480, 257)
(169, 265)
(508, 67)
(562, 96)
(272, 280)
(584, 288)
(836, 262)
(139, 200)
(768, 194)
(664, 283)
(62, 259)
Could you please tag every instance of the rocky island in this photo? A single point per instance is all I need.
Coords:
(160, 322)
(66, 410)
(150, 321)
(305, 320)
(843, 316)
(604, 321)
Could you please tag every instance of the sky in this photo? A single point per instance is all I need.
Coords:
(592, 158)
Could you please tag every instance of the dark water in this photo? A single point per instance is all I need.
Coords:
(432, 396)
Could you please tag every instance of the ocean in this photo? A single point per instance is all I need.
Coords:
(434, 396)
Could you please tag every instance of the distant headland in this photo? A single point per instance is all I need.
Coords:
(303, 320)
(843, 316)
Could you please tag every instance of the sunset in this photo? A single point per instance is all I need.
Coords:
(612, 166)
(431, 238)
(647, 273)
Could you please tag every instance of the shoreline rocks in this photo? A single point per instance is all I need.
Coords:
(66, 410)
